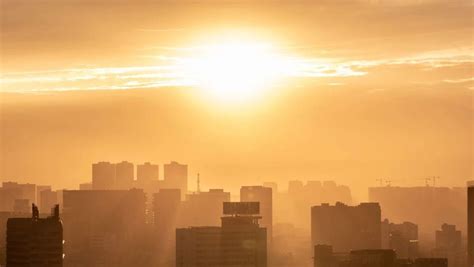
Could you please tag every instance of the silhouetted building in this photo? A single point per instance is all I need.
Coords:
(372, 258)
(198, 246)
(48, 198)
(436, 204)
(324, 257)
(470, 223)
(21, 205)
(11, 191)
(240, 241)
(449, 245)
(35, 241)
(263, 195)
(104, 227)
(204, 208)
(166, 209)
(243, 241)
(346, 228)
(403, 238)
(103, 176)
(176, 176)
(85, 186)
(147, 172)
(431, 262)
(124, 175)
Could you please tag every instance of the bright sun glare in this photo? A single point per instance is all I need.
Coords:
(237, 71)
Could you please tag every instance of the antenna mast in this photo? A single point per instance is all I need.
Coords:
(198, 184)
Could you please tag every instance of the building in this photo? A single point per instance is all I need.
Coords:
(48, 198)
(198, 246)
(11, 191)
(470, 223)
(35, 241)
(21, 205)
(193, 212)
(103, 176)
(124, 175)
(405, 203)
(325, 257)
(85, 186)
(243, 241)
(176, 176)
(166, 212)
(147, 172)
(103, 227)
(240, 241)
(264, 196)
(449, 245)
(346, 228)
(402, 237)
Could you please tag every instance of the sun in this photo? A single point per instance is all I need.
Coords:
(236, 71)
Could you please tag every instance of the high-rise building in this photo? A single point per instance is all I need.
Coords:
(35, 241)
(264, 196)
(194, 213)
(124, 175)
(103, 176)
(198, 246)
(402, 237)
(176, 176)
(103, 227)
(240, 241)
(346, 228)
(243, 241)
(21, 205)
(48, 198)
(470, 223)
(323, 256)
(11, 191)
(448, 245)
(166, 210)
(147, 172)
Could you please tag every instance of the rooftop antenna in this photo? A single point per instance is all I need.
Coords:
(198, 184)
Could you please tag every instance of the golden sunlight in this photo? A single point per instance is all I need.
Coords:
(237, 71)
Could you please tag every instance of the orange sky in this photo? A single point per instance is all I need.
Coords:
(386, 91)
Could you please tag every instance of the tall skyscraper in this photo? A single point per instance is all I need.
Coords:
(147, 172)
(470, 223)
(124, 175)
(264, 196)
(346, 228)
(176, 176)
(198, 246)
(35, 241)
(103, 176)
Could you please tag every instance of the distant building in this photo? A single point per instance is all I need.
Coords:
(85, 186)
(240, 241)
(346, 228)
(10, 191)
(48, 199)
(204, 208)
(263, 195)
(124, 175)
(21, 205)
(405, 203)
(103, 227)
(449, 245)
(324, 257)
(470, 223)
(198, 246)
(403, 238)
(35, 241)
(103, 176)
(166, 212)
(176, 176)
(147, 172)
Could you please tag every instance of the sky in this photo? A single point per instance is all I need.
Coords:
(346, 90)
